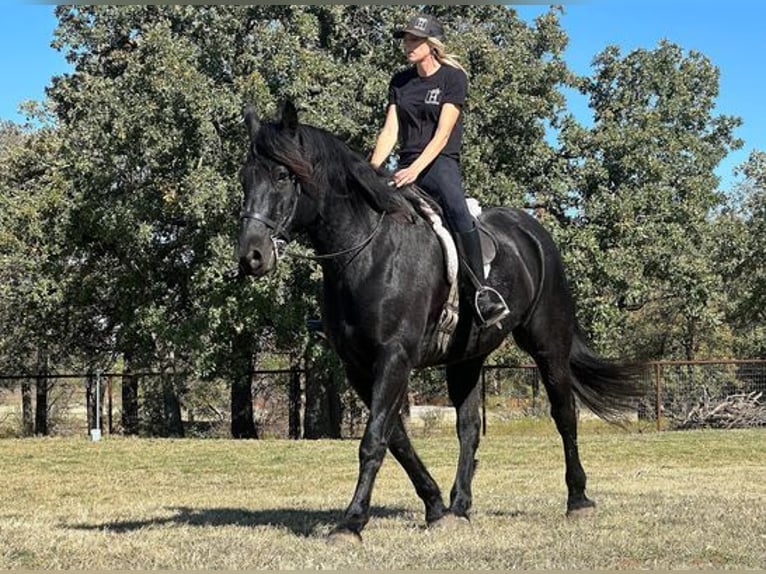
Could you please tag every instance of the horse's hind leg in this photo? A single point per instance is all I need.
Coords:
(558, 383)
(464, 392)
(552, 358)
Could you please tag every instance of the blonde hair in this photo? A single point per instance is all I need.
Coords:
(439, 51)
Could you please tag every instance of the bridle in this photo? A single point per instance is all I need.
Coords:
(279, 229)
(280, 237)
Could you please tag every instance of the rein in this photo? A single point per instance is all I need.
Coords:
(280, 237)
(356, 248)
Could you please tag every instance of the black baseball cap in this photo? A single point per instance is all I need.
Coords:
(423, 26)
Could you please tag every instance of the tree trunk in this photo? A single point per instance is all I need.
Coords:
(27, 419)
(172, 406)
(90, 401)
(129, 399)
(242, 416)
(109, 405)
(41, 394)
(323, 405)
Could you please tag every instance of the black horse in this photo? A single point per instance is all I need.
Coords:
(385, 290)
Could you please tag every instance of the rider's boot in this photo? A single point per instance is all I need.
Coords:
(489, 305)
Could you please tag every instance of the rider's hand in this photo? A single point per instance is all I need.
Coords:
(405, 176)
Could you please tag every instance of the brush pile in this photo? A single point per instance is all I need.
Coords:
(735, 411)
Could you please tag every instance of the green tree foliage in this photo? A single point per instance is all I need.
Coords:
(34, 265)
(638, 224)
(516, 73)
(740, 251)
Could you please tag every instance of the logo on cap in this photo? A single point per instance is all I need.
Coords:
(421, 24)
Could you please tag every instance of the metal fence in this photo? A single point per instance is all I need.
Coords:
(674, 388)
(682, 386)
(78, 403)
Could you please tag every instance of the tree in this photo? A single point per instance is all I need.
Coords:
(516, 73)
(34, 263)
(739, 254)
(152, 158)
(644, 186)
(324, 382)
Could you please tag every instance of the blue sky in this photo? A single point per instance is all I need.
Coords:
(728, 32)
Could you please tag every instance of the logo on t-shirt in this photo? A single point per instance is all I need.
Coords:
(433, 97)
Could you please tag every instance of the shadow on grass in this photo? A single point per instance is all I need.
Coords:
(299, 522)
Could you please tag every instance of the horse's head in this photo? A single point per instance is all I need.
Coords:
(271, 195)
(299, 177)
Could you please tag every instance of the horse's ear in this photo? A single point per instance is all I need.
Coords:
(251, 121)
(289, 116)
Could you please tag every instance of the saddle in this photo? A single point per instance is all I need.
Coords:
(488, 243)
(450, 313)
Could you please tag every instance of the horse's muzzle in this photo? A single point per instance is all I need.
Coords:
(254, 264)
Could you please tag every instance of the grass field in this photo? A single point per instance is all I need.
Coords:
(666, 500)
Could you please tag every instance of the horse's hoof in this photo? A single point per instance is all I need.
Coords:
(450, 520)
(344, 537)
(582, 510)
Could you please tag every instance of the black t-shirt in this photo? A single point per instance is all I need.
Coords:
(419, 102)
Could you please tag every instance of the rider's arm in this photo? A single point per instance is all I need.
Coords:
(387, 138)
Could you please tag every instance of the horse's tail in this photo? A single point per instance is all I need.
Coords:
(608, 388)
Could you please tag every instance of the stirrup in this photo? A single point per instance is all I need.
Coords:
(494, 320)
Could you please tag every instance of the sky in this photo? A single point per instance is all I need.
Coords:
(729, 32)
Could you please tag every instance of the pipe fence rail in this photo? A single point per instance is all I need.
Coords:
(674, 388)
(81, 403)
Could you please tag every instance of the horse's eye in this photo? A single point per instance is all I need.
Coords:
(281, 175)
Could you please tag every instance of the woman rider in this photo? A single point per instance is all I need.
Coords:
(424, 115)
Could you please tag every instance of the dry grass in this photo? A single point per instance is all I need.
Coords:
(672, 500)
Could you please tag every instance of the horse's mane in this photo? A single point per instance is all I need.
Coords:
(322, 160)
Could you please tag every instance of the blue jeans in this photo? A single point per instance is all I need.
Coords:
(442, 181)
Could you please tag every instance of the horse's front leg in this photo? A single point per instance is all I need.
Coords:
(389, 387)
(424, 484)
(400, 446)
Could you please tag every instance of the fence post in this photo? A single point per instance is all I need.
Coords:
(483, 401)
(294, 422)
(88, 402)
(658, 395)
(95, 431)
(110, 402)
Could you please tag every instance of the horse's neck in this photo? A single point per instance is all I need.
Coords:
(341, 227)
